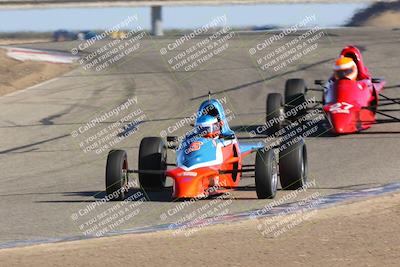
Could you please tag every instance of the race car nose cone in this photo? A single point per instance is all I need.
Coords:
(187, 187)
(343, 123)
(343, 131)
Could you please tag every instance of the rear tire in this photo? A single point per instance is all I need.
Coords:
(293, 166)
(152, 156)
(295, 90)
(274, 110)
(266, 174)
(116, 175)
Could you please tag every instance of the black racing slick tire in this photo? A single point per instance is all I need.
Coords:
(293, 166)
(152, 157)
(266, 174)
(274, 110)
(116, 175)
(295, 90)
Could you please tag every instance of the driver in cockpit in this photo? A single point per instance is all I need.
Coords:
(208, 126)
(345, 68)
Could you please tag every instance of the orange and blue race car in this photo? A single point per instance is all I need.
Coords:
(209, 161)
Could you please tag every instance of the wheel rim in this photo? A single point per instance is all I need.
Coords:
(274, 178)
(281, 112)
(303, 166)
(124, 179)
(163, 165)
(163, 160)
(302, 171)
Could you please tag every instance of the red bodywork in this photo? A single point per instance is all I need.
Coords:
(350, 105)
(207, 180)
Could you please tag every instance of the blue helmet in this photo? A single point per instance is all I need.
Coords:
(208, 126)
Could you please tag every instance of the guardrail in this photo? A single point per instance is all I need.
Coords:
(156, 5)
(105, 3)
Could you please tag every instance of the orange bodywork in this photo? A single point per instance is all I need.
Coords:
(208, 180)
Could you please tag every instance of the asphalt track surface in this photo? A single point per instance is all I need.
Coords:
(46, 178)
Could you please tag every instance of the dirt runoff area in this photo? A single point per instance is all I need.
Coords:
(386, 19)
(16, 75)
(364, 233)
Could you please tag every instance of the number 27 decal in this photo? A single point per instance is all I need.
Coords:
(341, 107)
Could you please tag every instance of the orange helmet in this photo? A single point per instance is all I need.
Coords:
(345, 67)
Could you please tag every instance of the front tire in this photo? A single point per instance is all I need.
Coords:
(293, 166)
(266, 174)
(116, 175)
(274, 111)
(295, 90)
(152, 157)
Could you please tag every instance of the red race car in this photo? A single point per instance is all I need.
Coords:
(350, 97)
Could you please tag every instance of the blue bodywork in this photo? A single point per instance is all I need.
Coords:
(186, 157)
(207, 153)
(250, 146)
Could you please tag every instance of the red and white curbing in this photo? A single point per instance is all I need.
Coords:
(23, 54)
